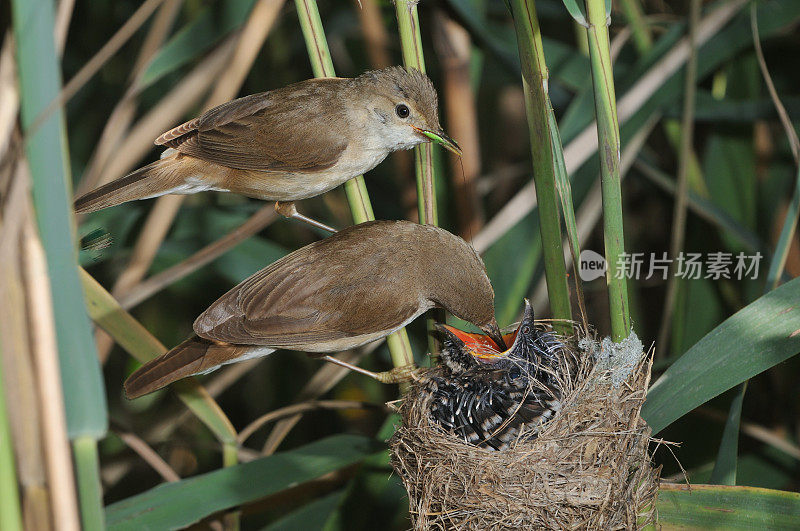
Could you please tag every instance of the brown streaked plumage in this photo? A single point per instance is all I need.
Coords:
(357, 286)
(288, 144)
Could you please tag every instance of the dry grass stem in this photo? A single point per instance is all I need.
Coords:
(61, 29)
(786, 122)
(41, 326)
(18, 367)
(252, 38)
(298, 408)
(149, 456)
(454, 48)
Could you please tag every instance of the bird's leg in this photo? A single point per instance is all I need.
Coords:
(402, 374)
(287, 209)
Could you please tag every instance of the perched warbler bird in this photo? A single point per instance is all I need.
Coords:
(357, 286)
(485, 396)
(288, 144)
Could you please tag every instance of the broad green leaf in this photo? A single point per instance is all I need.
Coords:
(194, 39)
(760, 336)
(46, 149)
(185, 502)
(725, 507)
(139, 343)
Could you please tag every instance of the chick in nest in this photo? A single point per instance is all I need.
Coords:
(490, 398)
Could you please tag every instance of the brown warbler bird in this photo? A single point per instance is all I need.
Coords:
(288, 144)
(357, 286)
(486, 397)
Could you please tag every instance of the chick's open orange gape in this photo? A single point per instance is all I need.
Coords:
(481, 345)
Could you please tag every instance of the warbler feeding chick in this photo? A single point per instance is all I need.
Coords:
(290, 143)
(487, 397)
(357, 286)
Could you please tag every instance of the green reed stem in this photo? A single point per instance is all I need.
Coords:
(609, 149)
(413, 57)
(642, 37)
(230, 457)
(537, 105)
(357, 195)
(87, 474)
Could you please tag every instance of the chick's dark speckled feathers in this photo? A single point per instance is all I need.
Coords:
(488, 399)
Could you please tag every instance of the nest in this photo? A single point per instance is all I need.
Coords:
(588, 467)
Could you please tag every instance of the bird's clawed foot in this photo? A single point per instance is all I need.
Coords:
(406, 373)
(287, 209)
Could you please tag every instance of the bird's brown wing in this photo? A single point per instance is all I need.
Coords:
(296, 128)
(305, 299)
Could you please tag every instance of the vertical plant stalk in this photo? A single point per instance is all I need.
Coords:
(454, 50)
(44, 350)
(47, 153)
(609, 149)
(356, 190)
(789, 228)
(641, 33)
(684, 158)
(11, 514)
(411, 45)
(47, 156)
(413, 57)
(537, 106)
(87, 467)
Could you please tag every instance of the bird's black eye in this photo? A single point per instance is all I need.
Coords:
(514, 373)
(526, 330)
(402, 110)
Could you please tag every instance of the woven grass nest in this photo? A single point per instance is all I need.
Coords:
(587, 468)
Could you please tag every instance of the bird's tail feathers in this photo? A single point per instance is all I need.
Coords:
(158, 178)
(194, 356)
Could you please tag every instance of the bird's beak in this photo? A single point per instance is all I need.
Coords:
(493, 331)
(479, 346)
(440, 137)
